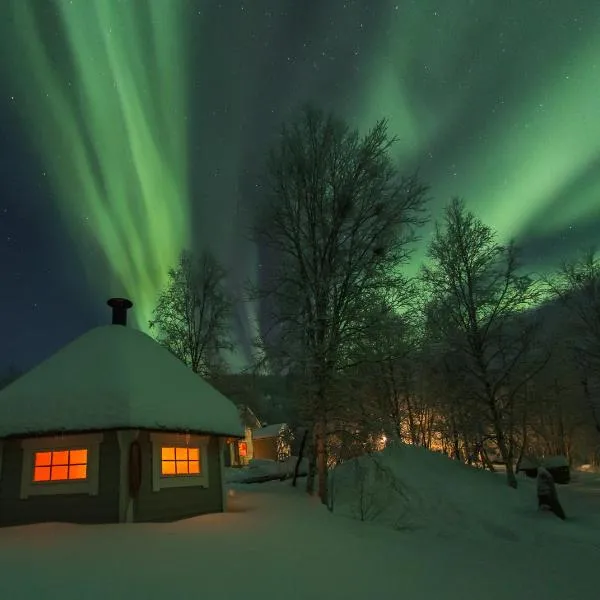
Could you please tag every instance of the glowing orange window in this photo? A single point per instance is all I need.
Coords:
(179, 461)
(60, 465)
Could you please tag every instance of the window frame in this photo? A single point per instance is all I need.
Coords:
(160, 481)
(187, 460)
(90, 441)
(52, 464)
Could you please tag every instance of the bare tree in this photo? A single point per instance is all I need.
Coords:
(577, 286)
(460, 414)
(338, 224)
(488, 301)
(385, 369)
(192, 315)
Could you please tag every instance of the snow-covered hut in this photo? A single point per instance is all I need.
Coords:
(112, 428)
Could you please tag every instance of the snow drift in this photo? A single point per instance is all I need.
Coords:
(407, 487)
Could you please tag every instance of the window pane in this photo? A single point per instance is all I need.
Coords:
(78, 457)
(77, 472)
(42, 459)
(194, 467)
(168, 467)
(168, 453)
(41, 474)
(60, 458)
(59, 473)
(182, 467)
(194, 453)
(181, 453)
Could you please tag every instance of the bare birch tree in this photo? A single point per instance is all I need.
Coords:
(338, 223)
(577, 286)
(192, 315)
(385, 368)
(487, 299)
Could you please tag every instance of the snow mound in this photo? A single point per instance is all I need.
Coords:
(407, 487)
(553, 462)
(114, 377)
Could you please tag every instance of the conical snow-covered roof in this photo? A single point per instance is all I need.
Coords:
(114, 377)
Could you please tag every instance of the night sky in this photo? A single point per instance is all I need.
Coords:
(128, 132)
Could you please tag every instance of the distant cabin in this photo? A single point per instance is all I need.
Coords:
(112, 428)
(272, 442)
(239, 454)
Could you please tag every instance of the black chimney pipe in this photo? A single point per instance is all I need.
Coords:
(119, 306)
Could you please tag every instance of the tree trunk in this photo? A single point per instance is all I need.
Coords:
(486, 460)
(411, 421)
(455, 440)
(506, 452)
(310, 479)
(591, 403)
(300, 456)
(321, 459)
(511, 478)
(507, 457)
(398, 430)
(525, 432)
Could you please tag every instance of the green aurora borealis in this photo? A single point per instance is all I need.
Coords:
(151, 118)
(113, 133)
(532, 166)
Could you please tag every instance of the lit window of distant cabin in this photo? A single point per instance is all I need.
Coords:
(180, 461)
(60, 465)
(243, 448)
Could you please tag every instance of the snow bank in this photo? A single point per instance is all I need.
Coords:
(406, 487)
(263, 469)
(587, 469)
(114, 377)
(529, 463)
(553, 462)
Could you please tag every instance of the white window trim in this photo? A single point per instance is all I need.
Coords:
(158, 440)
(89, 486)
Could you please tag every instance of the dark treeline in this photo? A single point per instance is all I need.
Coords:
(474, 357)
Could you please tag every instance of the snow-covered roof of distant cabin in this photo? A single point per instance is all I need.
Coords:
(114, 377)
(268, 431)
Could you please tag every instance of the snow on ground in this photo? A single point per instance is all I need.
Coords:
(276, 542)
